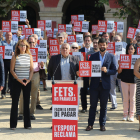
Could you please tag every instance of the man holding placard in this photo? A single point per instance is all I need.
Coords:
(100, 86)
(9, 49)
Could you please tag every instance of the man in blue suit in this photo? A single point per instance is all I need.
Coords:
(100, 86)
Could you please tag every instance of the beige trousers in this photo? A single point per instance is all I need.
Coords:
(34, 91)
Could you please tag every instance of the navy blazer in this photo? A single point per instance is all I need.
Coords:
(110, 64)
(2, 77)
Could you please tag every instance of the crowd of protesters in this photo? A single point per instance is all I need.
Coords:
(23, 75)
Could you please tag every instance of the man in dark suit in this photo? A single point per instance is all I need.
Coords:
(63, 66)
(100, 86)
(84, 90)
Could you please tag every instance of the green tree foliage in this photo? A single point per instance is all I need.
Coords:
(7, 5)
(128, 7)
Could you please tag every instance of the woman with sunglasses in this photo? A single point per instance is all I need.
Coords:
(22, 70)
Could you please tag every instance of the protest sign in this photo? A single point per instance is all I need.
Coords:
(61, 28)
(37, 31)
(64, 111)
(50, 33)
(77, 18)
(131, 32)
(78, 26)
(79, 39)
(137, 31)
(42, 55)
(80, 17)
(85, 26)
(71, 39)
(115, 26)
(94, 29)
(14, 26)
(133, 60)
(138, 50)
(41, 24)
(28, 31)
(8, 52)
(69, 29)
(55, 32)
(118, 48)
(89, 68)
(120, 27)
(2, 51)
(111, 47)
(23, 28)
(48, 24)
(81, 58)
(18, 15)
(54, 49)
(42, 43)
(34, 52)
(102, 25)
(110, 26)
(53, 42)
(125, 61)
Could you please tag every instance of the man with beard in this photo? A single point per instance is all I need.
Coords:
(138, 40)
(84, 90)
(95, 47)
(100, 86)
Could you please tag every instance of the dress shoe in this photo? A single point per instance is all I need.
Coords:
(45, 89)
(20, 117)
(102, 128)
(89, 128)
(39, 107)
(83, 110)
(13, 128)
(28, 128)
(32, 117)
(51, 108)
(3, 96)
(113, 108)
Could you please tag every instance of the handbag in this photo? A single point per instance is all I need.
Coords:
(42, 74)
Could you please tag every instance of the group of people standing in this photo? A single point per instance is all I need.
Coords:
(24, 76)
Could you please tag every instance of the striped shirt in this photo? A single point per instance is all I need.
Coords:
(22, 66)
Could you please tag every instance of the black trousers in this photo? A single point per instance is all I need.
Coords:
(95, 94)
(15, 98)
(84, 92)
(7, 69)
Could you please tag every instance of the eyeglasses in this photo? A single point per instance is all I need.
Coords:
(74, 47)
(31, 42)
(22, 45)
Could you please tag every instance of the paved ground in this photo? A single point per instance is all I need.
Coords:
(116, 129)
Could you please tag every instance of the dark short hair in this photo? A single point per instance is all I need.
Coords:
(102, 40)
(20, 27)
(127, 47)
(96, 38)
(87, 36)
(104, 33)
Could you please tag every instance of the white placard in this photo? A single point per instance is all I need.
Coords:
(55, 31)
(23, 15)
(14, 26)
(43, 43)
(48, 24)
(118, 48)
(8, 52)
(80, 17)
(69, 29)
(65, 112)
(42, 55)
(78, 54)
(120, 27)
(37, 31)
(133, 60)
(110, 26)
(137, 31)
(85, 26)
(79, 39)
(96, 69)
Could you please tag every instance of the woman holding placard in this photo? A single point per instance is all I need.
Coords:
(128, 84)
(137, 74)
(22, 70)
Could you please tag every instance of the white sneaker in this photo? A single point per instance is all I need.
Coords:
(125, 118)
(131, 119)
